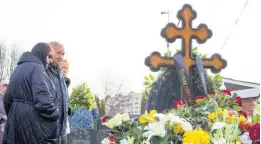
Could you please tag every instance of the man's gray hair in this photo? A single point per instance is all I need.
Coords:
(55, 44)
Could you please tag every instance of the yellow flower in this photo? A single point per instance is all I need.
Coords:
(233, 117)
(196, 137)
(219, 111)
(228, 120)
(152, 112)
(238, 142)
(212, 115)
(177, 128)
(242, 118)
(225, 112)
(146, 118)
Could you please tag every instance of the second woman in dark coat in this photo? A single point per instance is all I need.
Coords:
(29, 100)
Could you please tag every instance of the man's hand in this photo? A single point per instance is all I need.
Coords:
(5, 117)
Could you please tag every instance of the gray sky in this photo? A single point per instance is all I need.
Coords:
(112, 38)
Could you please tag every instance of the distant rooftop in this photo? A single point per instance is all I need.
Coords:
(244, 89)
(241, 81)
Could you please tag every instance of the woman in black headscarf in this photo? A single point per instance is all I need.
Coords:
(29, 100)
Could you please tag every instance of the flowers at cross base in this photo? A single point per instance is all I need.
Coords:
(210, 121)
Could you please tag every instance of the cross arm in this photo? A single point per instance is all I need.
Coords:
(155, 61)
(216, 63)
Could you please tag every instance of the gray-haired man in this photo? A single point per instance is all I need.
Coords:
(55, 73)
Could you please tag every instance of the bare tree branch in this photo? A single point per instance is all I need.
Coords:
(15, 54)
(3, 61)
(113, 97)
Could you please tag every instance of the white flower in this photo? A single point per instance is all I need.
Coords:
(186, 126)
(117, 120)
(169, 117)
(106, 141)
(124, 141)
(114, 122)
(155, 129)
(109, 124)
(174, 120)
(218, 125)
(245, 137)
(125, 117)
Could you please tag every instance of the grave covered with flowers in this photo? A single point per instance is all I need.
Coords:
(210, 118)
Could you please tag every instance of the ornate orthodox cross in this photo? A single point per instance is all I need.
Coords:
(155, 61)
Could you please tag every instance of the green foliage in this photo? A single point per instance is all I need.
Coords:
(256, 115)
(82, 97)
(216, 80)
(195, 51)
(101, 106)
(148, 85)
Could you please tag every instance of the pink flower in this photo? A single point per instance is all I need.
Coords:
(212, 93)
(238, 100)
(200, 97)
(178, 103)
(254, 131)
(104, 119)
(227, 92)
(112, 138)
(243, 113)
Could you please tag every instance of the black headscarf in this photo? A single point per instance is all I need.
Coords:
(41, 51)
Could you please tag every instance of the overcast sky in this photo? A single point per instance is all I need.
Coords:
(111, 38)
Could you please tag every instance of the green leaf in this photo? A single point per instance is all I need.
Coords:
(234, 95)
(146, 83)
(151, 77)
(237, 108)
(222, 102)
(146, 78)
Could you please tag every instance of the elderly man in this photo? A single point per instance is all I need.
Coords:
(3, 117)
(56, 74)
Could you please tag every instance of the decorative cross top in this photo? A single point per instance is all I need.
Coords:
(186, 33)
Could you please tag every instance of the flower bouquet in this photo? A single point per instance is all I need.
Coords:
(217, 118)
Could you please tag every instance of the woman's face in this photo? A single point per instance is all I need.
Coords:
(49, 57)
